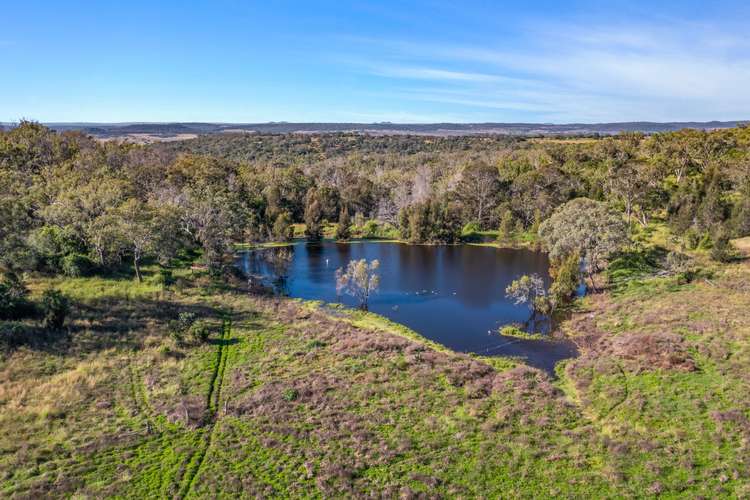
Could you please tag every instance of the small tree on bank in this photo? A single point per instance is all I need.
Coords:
(529, 290)
(359, 280)
(313, 216)
(344, 229)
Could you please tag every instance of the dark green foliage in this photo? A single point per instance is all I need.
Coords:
(50, 245)
(290, 394)
(282, 227)
(721, 251)
(13, 302)
(507, 226)
(628, 265)
(313, 216)
(343, 229)
(199, 332)
(434, 221)
(187, 326)
(55, 308)
(64, 196)
(165, 277)
(567, 278)
(13, 335)
(76, 265)
(370, 229)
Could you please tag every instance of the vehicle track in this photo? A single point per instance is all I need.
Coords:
(195, 463)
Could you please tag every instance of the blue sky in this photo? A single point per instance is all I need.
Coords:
(368, 61)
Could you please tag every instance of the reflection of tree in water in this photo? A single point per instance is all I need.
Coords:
(279, 261)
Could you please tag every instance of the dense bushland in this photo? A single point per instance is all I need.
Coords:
(70, 205)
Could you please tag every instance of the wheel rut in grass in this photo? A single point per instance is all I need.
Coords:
(213, 399)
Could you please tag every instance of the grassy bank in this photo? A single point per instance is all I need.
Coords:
(290, 399)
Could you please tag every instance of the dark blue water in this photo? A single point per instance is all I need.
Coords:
(452, 294)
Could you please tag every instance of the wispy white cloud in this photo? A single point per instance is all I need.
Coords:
(422, 73)
(577, 73)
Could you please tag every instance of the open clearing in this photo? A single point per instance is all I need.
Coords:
(287, 399)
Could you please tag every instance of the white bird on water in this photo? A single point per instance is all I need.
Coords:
(326, 262)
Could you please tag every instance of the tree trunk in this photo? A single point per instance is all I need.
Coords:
(593, 283)
(137, 269)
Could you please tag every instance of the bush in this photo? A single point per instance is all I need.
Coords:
(199, 332)
(507, 226)
(721, 251)
(51, 245)
(177, 336)
(692, 240)
(13, 303)
(470, 228)
(186, 325)
(283, 230)
(165, 278)
(290, 394)
(75, 265)
(343, 228)
(13, 335)
(370, 229)
(567, 279)
(55, 308)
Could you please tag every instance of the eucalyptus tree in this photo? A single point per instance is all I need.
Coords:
(587, 227)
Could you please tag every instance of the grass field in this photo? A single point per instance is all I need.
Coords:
(290, 399)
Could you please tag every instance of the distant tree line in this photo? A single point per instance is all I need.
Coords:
(72, 205)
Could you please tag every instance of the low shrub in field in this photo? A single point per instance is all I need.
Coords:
(55, 308)
(165, 278)
(188, 327)
(76, 265)
(13, 302)
(721, 251)
(290, 394)
(13, 335)
(199, 332)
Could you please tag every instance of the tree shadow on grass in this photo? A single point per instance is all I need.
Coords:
(223, 342)
(105, 324)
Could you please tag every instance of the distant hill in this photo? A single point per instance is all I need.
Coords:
(158, 131)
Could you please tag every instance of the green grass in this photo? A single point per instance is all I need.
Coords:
(293, 399)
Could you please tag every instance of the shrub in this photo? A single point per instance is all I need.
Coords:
(677, 262)
(177, 336)
(13, 303)
(290, 394)
(283, 229)
(13, 335)
(470, 228)
(505, 231)
(184, 321)
(51, 245)
(75, 265)
(186, 325)
(165, 278)
(343, 228)
(567, 279)
(199, 332)
(692, 240)
(370, 229)
(721, 251)
(55, 308)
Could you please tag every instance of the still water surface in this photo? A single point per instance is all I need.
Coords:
(452, 294)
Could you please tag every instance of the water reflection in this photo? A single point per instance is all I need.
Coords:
(454, 295)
